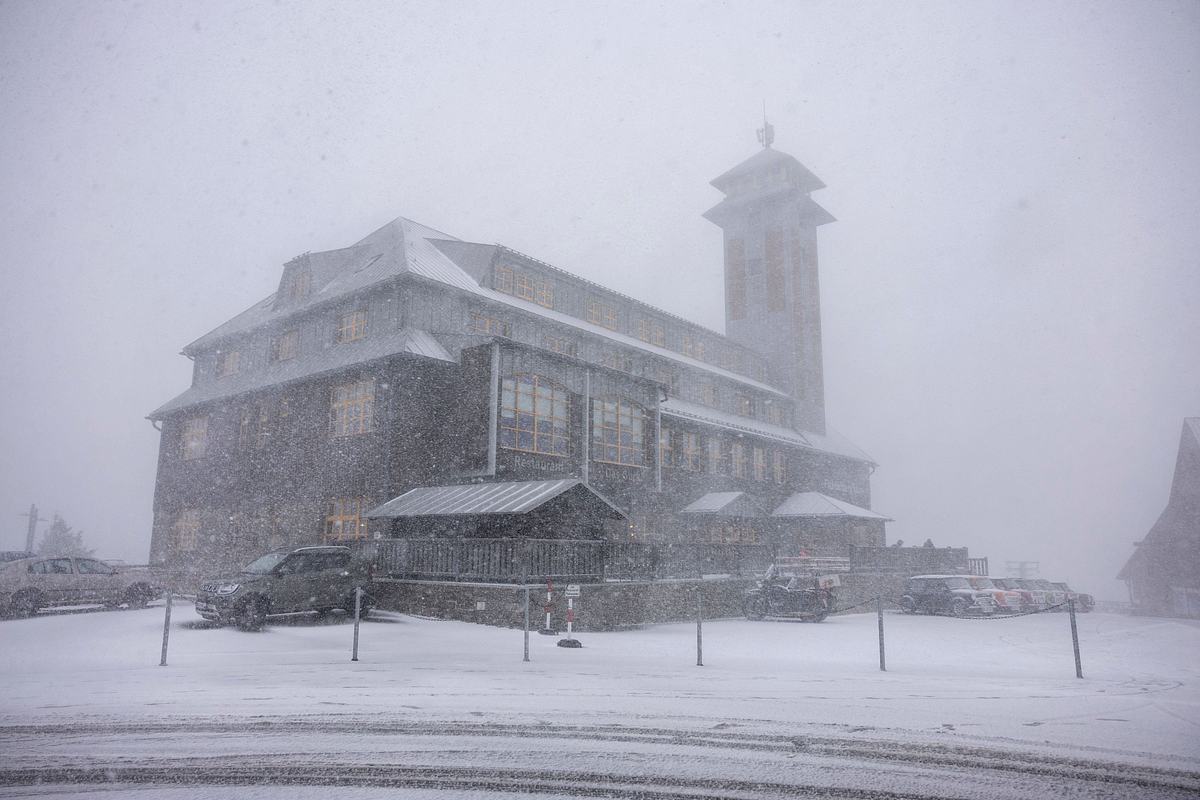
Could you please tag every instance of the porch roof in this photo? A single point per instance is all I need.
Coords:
(503, 497)
(724, 504)
(821, 506)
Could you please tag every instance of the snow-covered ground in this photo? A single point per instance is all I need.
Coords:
(967, 708)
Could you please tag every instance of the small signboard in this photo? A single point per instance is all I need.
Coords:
(572, 590)
(829, 581)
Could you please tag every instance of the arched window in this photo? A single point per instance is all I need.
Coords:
(534, 415)
(618, 431)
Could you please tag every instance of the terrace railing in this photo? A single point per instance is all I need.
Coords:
(515, 560)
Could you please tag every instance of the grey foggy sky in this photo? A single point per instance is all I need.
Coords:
(1011, 295)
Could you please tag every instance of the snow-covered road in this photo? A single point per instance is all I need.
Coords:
(967, 709)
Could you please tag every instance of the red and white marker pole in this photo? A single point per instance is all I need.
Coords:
(549, 607)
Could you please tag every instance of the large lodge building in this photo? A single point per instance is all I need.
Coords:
(417, 385)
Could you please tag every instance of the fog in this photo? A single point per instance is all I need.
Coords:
(1010, 295)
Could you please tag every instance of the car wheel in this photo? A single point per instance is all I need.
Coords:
(138, 595)
(908, 605)
(756, 607)
(26, 604)
(251, 615)
(959, 607)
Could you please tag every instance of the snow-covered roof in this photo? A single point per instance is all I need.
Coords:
(408, 341)
(828, 442)
(815, 504)
(404, 247)
(723, 504)
(504, 497)
(399, 247)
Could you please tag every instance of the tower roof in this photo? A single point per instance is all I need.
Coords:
(764, 162)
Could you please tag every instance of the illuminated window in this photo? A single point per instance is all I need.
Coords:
(194, 438)
(690, 454)
(297, 285)
(738, 460)
(561, 344)
(344, 522)
(525, 286)
(776, 282)
(352, 326)
(285, 346)
(652, 332)
(488, 326)
(716, 456)
(504, 280)
(731, 531)
(780, 467)
(618, 432)
(775, 413)
(352, 408)
(615, 360)
(187, 530)
(602, 314)
(735, 279)
(534, 415)
(227, 363)
(760, 464)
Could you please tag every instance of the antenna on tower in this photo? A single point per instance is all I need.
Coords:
(766, 134)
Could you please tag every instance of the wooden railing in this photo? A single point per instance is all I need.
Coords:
(516, 560)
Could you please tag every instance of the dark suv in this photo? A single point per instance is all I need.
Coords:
(945, 594)
(319, 579)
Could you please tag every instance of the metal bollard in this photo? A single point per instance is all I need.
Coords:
(699, 626)
(357, 617)
(879, 613)
(527, 598)
(166, 627)
(1075, 638)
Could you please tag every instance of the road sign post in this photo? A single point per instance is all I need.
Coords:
(571, 641)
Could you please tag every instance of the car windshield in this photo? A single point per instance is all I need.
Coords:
(957, 583)
(982, 583)
(264, 564)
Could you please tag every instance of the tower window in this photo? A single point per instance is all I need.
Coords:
(735, 279)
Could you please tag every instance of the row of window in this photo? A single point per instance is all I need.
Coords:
(535, 418)
(537, 289)
(343, 522)
(350, 327)
(351, 412)
(714, 455)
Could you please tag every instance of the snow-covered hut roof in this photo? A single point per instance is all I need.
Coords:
(503, 497)
(815, 504)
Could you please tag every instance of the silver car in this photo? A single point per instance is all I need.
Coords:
(30, 584)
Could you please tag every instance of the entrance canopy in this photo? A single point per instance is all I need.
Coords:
(814, 505)
(724, 504)
(507, 497)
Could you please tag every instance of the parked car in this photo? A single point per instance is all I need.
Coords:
(1030, 600)
(321, 579)
(1008, 601)
(1083, 602)
(30, 584)
(945, 594)
(1056, 598)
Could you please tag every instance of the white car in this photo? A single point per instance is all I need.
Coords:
(30, 584)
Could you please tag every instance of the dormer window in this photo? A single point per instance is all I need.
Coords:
(227, 363)
(525, 286)
(352, 326)
(285, 346)
(297, 285)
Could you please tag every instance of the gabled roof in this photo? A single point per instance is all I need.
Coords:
(822, 506)
(505, 497)
(408, 341)
(828, 442)
(765, 160)
(724, 504)
(399, 247)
